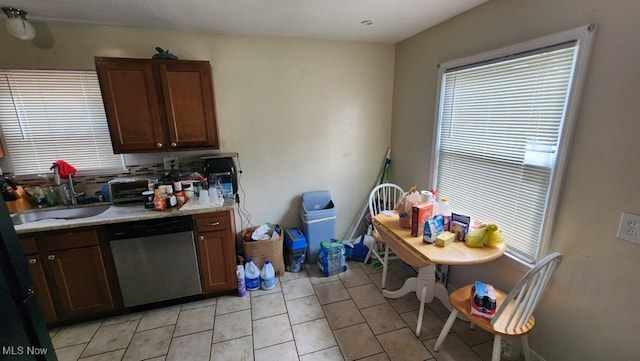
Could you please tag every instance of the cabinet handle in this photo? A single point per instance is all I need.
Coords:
(159, 145)
(214, 224)
(51, 257)
(33, 260)
(201, 238)
(173, 145)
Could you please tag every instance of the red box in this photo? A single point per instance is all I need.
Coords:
(419, 216)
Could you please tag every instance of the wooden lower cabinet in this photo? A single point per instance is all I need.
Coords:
(80, 278)
(69, 274)
(74, 276)
(216, 251)
(41, 289)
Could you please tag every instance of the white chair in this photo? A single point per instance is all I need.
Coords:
(514, 313)
(382, 198)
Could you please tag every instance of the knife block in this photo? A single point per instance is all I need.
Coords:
(22, 202)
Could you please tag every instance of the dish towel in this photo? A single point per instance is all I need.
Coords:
(64, 169)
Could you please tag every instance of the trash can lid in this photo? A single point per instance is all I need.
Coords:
(316, 200)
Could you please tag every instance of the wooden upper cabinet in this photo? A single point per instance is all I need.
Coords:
(189, 106)
(158, 105)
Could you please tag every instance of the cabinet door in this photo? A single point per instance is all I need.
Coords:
(41, 289)
(81, 281)
(189, 104)
(131, 104)
(216, 256)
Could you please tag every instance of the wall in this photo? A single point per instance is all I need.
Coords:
(590, 309)
(304, 115)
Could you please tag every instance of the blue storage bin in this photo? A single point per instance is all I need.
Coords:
(295, 250)
(294, 239)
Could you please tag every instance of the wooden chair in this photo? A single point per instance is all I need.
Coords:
(383, 197)
(514, 313)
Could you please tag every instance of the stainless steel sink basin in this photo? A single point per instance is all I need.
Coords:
(59, 213)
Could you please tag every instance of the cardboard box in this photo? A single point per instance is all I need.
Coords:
(271, 250)
(419, 216)
(444, 238)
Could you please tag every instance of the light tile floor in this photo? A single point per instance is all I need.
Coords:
(306, 317)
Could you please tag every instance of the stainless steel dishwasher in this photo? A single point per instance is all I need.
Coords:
(155, 259)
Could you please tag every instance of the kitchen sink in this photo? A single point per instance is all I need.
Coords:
(59, 213)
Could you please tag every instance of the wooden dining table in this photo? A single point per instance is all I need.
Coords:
(415, 252)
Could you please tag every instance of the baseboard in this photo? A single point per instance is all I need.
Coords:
(536, 356)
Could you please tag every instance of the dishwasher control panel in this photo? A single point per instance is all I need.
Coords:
(149, 228)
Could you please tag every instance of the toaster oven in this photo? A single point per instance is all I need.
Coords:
(128, 189)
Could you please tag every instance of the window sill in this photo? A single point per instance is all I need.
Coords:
(514, 262)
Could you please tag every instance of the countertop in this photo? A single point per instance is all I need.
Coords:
(120, 213)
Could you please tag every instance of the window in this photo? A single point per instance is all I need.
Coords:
(504, 122)
(50, 115)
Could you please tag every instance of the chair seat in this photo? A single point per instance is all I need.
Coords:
(377, 237)
(460, 301)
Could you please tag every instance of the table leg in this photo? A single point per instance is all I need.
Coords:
(440, 292)
(421, 312)
(409, 286)
(426, 276)
(425, 288)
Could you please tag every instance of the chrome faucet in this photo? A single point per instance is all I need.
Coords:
(67, 192)
(72, 192)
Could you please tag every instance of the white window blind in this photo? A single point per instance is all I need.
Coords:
(499, 137)
(50, 115)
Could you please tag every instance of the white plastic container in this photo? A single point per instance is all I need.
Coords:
(204, 197)
(214, 197)
(251, 275)
(242, 289)
(267, 276)
(442, 208)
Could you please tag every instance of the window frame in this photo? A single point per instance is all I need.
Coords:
(583, 36)
(9, 161)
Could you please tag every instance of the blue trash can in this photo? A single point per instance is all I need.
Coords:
(318, 217)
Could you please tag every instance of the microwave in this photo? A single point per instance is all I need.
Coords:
(128, 189)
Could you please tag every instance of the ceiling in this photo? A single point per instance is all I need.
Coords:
(393, 20)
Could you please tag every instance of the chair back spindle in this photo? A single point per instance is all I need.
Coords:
(521, 302)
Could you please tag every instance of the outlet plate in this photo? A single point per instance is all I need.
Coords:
(170, 163)
(629, 227)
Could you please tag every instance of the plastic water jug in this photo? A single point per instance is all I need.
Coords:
(267, 276)
(242, 289)
(251, 275)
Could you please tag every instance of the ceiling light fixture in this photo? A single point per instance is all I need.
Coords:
(17, 24)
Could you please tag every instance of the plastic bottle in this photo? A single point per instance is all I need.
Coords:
(215, 197)
(251, 275)
(267, 276)
(441, 207)
(159, 203)
(219, 188)
(242, 289)
(204, 197)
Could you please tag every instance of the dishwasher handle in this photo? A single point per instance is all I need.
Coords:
(137, 226)
(149, 227)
